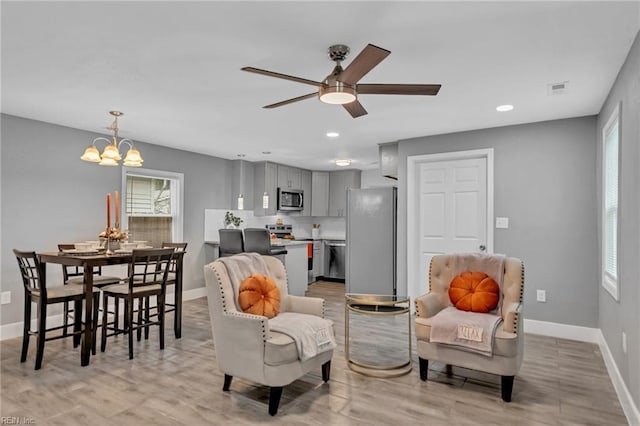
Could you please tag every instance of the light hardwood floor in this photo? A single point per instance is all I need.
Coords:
(561, 382)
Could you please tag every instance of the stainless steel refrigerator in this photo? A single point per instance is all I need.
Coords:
(371, 240)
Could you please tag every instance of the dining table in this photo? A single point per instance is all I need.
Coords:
(89, 262)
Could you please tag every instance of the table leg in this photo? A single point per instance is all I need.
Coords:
(87, 335)
(346, 332)
(177, 324)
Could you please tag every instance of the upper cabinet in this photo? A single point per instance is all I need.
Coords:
(319, 194)
(289, 177)
(265, 189)
(308, 192)
(242, 183)
(339, 182)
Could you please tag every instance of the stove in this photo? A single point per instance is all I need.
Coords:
(280, 230)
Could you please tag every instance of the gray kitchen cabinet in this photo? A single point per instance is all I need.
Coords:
(339, 182)
(306, 188)
(242, 183)
(265, 181)
(289, 177)
(319, 193)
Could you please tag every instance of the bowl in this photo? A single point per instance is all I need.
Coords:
(94, 244)
(128, 246)
(82, 246)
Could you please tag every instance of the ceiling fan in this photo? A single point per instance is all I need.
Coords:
(341, 86)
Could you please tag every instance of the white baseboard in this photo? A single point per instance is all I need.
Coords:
(562, 331)
(590, 335)
(9, 331)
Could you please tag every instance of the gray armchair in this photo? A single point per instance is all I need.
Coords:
(508, 341)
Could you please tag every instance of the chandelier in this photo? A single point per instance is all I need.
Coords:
(111, 154)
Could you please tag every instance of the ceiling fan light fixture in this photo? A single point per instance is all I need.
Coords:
(504, 108)
(343, 162)
(338, 94)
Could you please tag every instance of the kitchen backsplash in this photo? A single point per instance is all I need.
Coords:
(332, 227)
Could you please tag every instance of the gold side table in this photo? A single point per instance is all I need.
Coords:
(383, 305)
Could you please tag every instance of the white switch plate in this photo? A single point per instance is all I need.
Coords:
(502, 223)
(624, 342)
(541, 295)
(5, 298)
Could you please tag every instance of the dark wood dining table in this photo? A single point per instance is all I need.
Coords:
(89, 263)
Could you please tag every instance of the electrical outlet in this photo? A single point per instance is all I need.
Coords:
(5, 298)
(541, 295)
(624, 342)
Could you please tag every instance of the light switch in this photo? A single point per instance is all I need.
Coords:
(502, 222)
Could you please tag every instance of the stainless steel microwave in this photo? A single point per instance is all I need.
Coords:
(290, 200)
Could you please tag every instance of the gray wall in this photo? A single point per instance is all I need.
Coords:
(50, 196)
(544, 176)
(616, 317)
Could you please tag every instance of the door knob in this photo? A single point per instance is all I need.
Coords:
(482, 247)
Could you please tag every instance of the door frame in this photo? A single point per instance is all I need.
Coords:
(415, 288)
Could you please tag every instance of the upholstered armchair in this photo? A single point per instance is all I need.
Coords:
(245, 344)
(508, 340)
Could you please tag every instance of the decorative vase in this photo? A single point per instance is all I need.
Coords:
(231, 226)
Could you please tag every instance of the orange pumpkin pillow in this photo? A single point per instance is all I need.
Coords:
(474, 291)
(259, 295)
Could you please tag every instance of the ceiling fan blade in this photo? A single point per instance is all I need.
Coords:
(283, 76)
(363, 63)
(292, 100)
(355, 108)
(398, 89)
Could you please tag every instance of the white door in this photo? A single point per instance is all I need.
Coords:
(451, 212)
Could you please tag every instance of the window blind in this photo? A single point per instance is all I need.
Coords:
(610, 174)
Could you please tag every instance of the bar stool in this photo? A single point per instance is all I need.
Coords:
(258, 240)
(231, 242)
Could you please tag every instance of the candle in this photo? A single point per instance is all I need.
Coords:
(117, 211)
(108, 211)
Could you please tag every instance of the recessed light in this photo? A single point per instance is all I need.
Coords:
(504, 108)
(333, 134)
(343, 162)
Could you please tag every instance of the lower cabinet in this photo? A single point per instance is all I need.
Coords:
(296, 263)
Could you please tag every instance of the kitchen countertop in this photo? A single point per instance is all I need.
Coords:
(293, 242)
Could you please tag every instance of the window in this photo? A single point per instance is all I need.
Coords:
(610, 177)
(153, 207)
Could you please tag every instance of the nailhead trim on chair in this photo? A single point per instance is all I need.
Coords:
(516, 317)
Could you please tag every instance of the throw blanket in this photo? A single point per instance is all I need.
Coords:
(490, 264)
(468, 330)
(312, 334)
(240, 266)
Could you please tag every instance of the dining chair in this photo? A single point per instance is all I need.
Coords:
(75, 275)
(147, 277)
(231, 242)
(37, 291)
(171, 280)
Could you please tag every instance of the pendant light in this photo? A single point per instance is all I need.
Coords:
(240, 196)
(265, 200)
(111, 154)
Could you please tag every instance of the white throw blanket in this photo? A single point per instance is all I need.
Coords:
(468, 330)
(312, 334)
(240, 266)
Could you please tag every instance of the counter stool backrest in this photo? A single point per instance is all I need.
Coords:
(231, 242)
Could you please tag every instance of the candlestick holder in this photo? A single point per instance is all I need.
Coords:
(110, 236)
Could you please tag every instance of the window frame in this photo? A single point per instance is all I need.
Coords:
(609, 282)
(177, 197)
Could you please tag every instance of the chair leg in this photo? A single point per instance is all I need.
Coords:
(77, 321)
(146, 313)
(116, 315)
(227, 382)
(326, 371)
(94, 331)
(424, 367)
(105, 314)
(26, 327)
(42, 330)
(65, 320)
(140, 308)
(274, 399)
(129, 324)
(160, 309)
(507, 387)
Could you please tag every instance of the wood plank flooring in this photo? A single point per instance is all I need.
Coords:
(561, 382)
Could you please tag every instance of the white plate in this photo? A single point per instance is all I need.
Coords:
(130, 250)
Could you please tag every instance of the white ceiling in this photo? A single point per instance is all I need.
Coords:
(174, 69)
